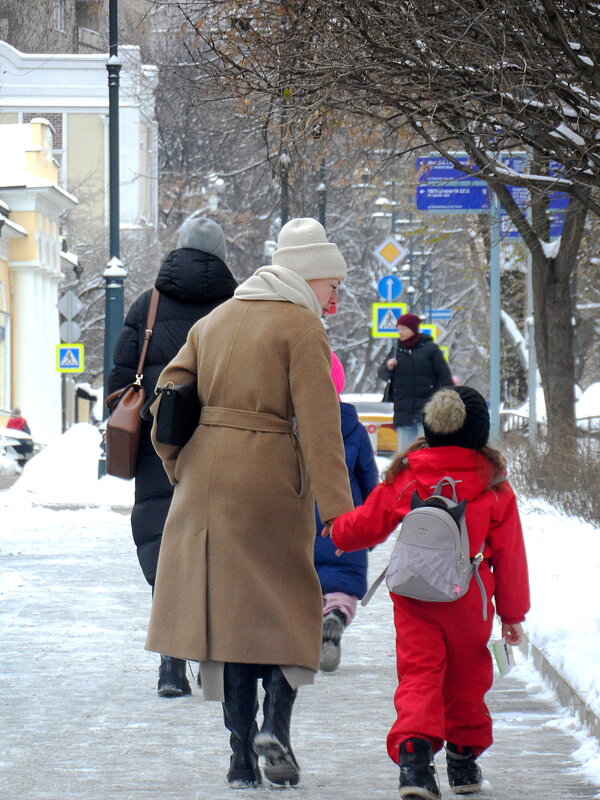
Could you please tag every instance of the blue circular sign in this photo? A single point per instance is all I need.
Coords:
(390, 288)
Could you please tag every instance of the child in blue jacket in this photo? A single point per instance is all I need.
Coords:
(344, 578)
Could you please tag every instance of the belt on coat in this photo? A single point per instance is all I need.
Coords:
(245, 420)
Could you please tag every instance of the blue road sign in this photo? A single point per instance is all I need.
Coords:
(558, 201)
(390, 288)
(441, 313)
(444, 189)
(69, 357)
(384, 318)
(455, 198)
(436, 169)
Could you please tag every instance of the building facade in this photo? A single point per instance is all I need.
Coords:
(31, 269)
(71, 91)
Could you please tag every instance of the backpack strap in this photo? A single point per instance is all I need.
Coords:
(374, 586)
(476, 561)
(437, 489)
(150, 320)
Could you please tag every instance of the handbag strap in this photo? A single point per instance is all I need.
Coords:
(151, 319)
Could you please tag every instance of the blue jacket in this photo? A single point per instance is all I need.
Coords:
(348, 573)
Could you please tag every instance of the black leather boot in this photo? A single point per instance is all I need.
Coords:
(273, 741)
(172, 680)
(464, 775)
(418, 780)
(239, 712)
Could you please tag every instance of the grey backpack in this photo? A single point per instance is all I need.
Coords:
(431, 558)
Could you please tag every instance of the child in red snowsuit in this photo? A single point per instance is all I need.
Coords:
(444, 664)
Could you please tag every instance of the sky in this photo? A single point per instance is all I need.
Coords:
(563, 555)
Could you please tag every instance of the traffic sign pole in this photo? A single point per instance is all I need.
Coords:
(495, 216)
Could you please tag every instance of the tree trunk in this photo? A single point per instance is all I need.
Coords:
(553, 312)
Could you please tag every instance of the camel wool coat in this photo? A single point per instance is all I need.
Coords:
(235, 579)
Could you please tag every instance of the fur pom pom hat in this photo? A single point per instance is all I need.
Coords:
(303, 247)
(457, 416)
(338, 375)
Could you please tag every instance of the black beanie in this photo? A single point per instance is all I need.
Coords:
(457, 416)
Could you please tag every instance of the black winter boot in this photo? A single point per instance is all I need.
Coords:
(172, 680)
(331, 646)
(464, 775)
(273, 741)
(417, 773)
(239, 712)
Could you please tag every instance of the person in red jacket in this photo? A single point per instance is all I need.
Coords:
(444, 664)
(17, 422)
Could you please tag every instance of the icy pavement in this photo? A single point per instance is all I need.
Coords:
(81, 718)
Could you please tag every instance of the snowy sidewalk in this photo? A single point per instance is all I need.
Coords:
(81, 718)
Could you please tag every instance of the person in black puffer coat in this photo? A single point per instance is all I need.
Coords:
(192, 281)
(417, 369)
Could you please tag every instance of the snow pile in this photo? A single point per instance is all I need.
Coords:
(588, 405)
(564, 569)
(66, 472)
(8, 465)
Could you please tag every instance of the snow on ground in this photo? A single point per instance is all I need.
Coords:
(564, 559)
(587, 405)
(66, 472)
(8, 465)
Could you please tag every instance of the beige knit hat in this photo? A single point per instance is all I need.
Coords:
(302, 247)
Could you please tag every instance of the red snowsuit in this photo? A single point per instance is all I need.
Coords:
(444, 664)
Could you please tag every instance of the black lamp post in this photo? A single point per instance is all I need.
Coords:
(114, 274)
(322, 192)
(284, 169)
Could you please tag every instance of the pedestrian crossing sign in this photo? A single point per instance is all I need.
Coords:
(429, 328)
(69, 358)
(385, 317)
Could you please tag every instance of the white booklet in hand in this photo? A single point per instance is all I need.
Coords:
(503, 653)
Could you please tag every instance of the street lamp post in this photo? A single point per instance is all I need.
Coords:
(284, 169)
(424, 257)
(114, 274)
(408, 234)
(322, 193)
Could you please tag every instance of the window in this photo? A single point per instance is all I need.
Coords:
(59, 15)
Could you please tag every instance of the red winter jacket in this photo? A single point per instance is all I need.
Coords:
(491, 515)
(17, 423)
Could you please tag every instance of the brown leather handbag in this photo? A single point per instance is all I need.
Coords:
(125, 423)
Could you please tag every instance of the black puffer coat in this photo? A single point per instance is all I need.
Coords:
(419, 373)
(191, 284)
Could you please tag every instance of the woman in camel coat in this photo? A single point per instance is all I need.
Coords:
(236, 587)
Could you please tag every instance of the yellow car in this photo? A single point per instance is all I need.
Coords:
(377, 417)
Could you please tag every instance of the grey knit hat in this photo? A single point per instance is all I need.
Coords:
(303, 247)
(457, 416)
(201, 233)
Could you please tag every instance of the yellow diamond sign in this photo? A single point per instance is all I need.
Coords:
(390, 252)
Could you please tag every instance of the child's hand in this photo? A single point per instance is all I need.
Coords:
(512, 632)
(327, 528)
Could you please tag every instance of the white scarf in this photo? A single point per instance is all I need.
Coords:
(278, 283)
